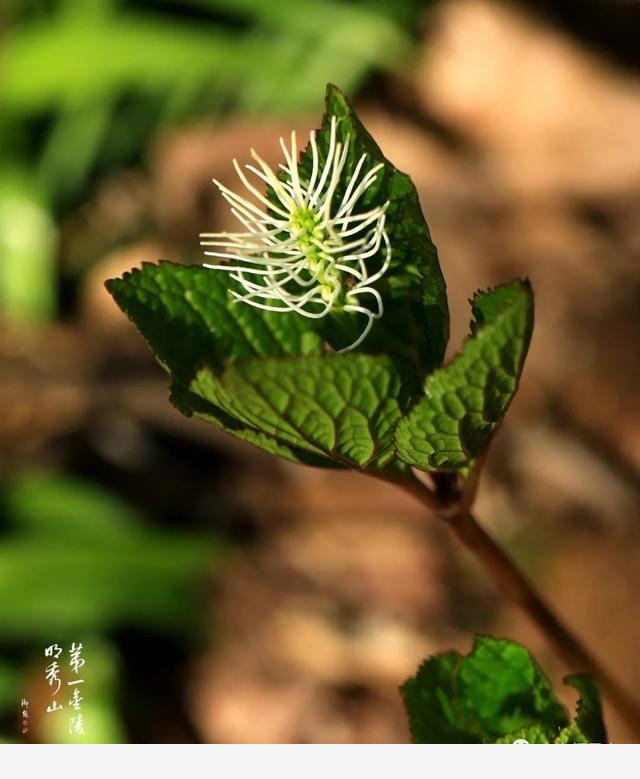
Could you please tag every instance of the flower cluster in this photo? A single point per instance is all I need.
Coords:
(306, 250)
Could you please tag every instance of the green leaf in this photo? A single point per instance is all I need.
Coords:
(194, 404)
(307, 409)
(496, 694)
(429, 699)
(588, 726)
(188, 318)
(465, 402)
(415, 324)
(497, 689)
(343, 407)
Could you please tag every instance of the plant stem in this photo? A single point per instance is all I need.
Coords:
(517, 588)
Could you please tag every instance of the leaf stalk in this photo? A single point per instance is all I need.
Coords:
(450, 501)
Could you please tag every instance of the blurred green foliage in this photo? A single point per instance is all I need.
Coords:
(76, 563)
(86, 84)
(82, 560)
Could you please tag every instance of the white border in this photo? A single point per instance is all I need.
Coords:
(317, 761)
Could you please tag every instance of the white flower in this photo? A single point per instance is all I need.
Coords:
(305, 252)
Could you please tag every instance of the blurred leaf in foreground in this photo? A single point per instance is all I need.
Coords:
(27, 251)
(80, 560)
(77, 564)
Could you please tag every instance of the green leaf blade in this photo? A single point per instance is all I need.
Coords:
(187, 316)
(189, 319)
(465, 402)
(429, 701)
(194, 405)
(588, 726)
(497, 694)
(342, 407)
(496, 689)
(502, 688)
(238, 368)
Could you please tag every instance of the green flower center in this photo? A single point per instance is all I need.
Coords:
(306, 223)
(310, 236)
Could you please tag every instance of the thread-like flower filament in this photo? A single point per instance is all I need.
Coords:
(304, 249)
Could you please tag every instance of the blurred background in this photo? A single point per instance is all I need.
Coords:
(221, 595)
